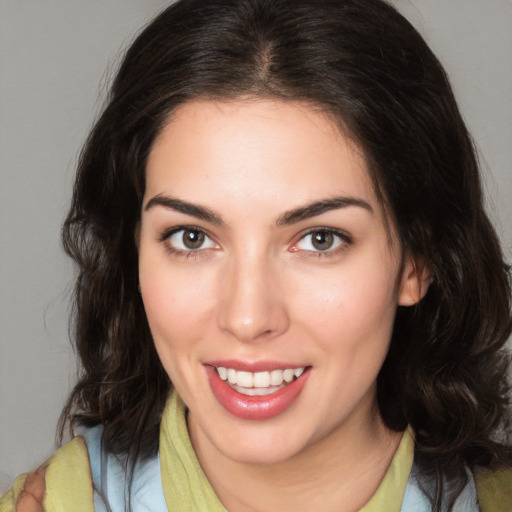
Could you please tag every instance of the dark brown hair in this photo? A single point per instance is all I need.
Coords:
(361, 61)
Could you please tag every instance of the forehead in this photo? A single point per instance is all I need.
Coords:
(269, 151)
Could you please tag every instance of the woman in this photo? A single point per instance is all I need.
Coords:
(279, 212)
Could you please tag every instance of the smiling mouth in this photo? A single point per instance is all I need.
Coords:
(258, 383)
(256, 395)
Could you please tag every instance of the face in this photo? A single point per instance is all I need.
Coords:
(269, 278)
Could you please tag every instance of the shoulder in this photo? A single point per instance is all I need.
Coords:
(112, 481)
(494, 490)
(63, 482)
(68, 478)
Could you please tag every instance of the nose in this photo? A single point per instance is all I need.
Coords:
(252, 305)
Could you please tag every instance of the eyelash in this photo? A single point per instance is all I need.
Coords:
(344, 242)
(187, 253)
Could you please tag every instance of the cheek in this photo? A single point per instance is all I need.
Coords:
(173, 305)
(177, 305)
(176, 327)
(351, 308)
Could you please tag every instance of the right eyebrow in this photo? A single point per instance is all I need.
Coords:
(200, 212)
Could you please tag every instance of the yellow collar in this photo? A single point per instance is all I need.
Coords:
(186, 487)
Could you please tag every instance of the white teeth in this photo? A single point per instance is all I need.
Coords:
(288, 375)
(244, 379)
(298, 372)
(259, 383)
(261, 380)
(276, 377)
(231, 376)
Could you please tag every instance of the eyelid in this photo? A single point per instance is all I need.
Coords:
(168, 233)
(344, 238)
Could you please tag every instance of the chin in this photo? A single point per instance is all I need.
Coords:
(263, 445)
(261, 456)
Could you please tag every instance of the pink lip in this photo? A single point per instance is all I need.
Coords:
(254, 366)
(254, 407)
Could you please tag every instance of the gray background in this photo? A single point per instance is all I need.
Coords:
(53, 57)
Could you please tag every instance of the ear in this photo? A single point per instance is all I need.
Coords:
(416, 277)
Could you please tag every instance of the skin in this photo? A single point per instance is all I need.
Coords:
(257, 289)
(31, 498)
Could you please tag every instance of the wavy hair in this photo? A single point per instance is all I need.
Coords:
(363, 63)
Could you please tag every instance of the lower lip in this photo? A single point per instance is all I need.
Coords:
(255, 407)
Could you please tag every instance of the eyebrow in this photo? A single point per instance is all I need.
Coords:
(319, 207)
(286, 219)
(200, 212)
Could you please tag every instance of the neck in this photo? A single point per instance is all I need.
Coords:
(338, 473)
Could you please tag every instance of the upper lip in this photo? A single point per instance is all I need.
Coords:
(254, 366)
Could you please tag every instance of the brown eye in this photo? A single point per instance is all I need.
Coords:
(193, 239)
(189, 239)
(322, 240)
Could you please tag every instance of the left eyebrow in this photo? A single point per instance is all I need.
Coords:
(319, 207)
